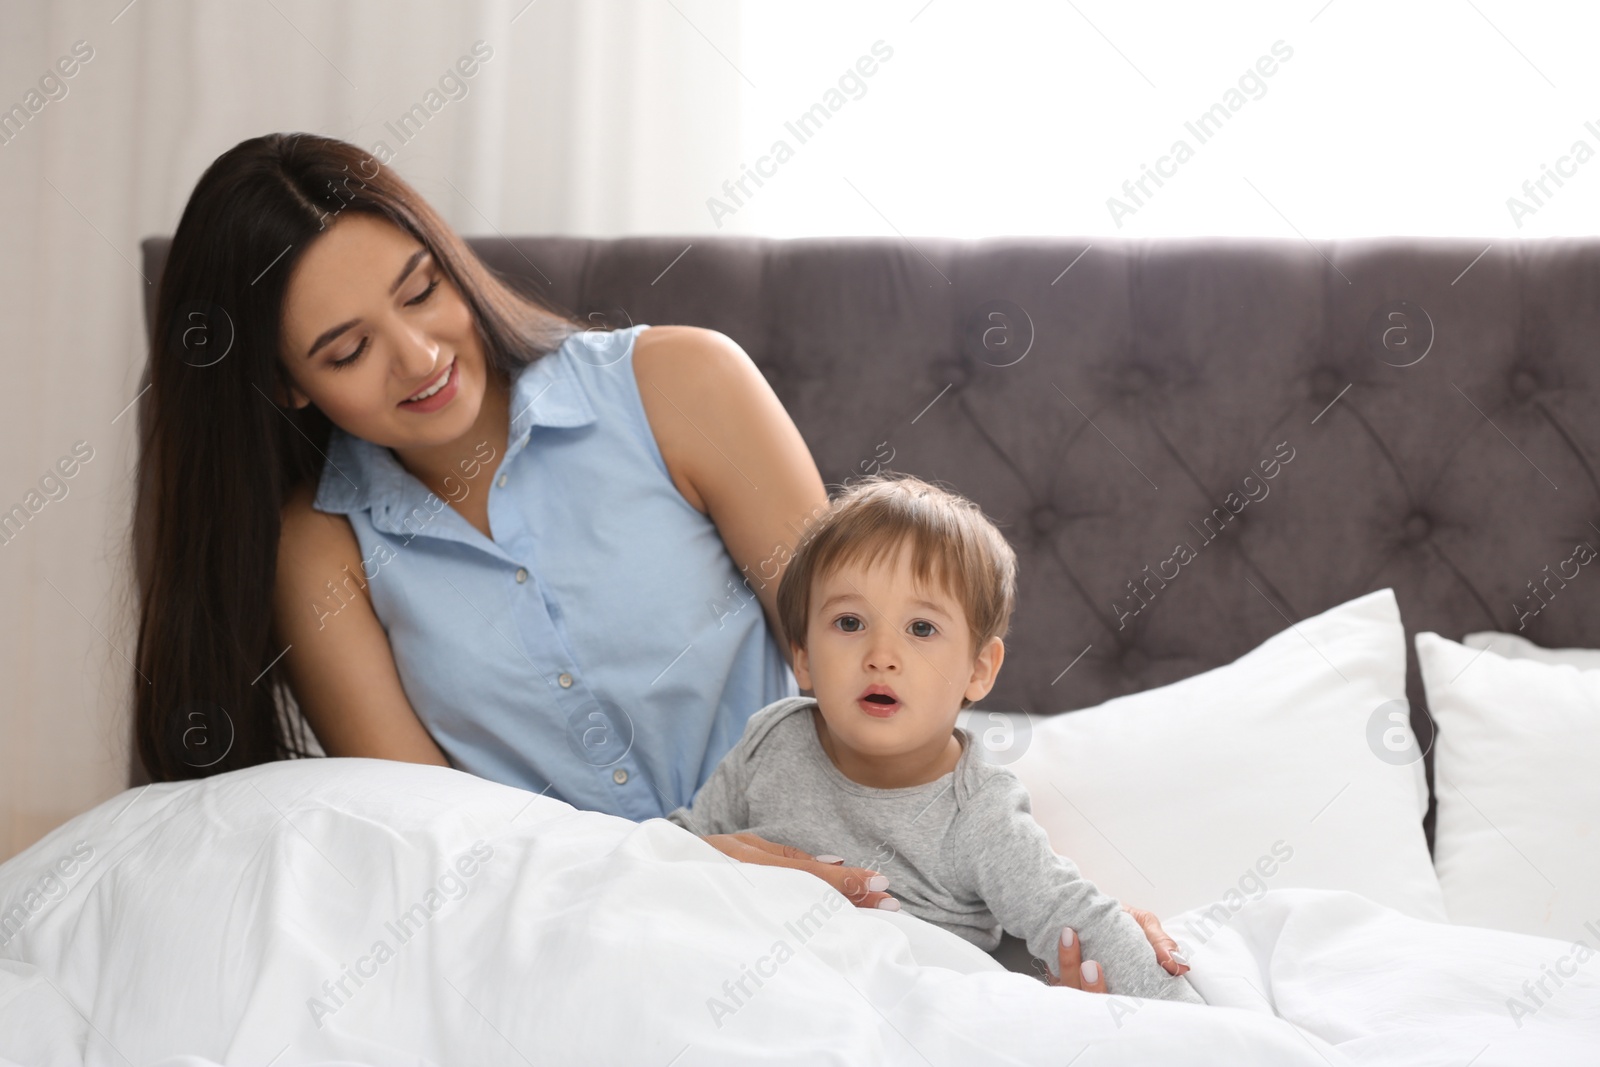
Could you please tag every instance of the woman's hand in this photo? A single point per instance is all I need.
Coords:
(1075, 972)
(862, 887)
(1166, 948)
(1091, 977)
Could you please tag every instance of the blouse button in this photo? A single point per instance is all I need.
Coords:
(501, 481)
(565, 679)
(522, 574)
(619, 776)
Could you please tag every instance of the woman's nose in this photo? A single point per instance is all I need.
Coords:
(419, 352)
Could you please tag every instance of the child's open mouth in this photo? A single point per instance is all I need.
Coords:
(878, 700)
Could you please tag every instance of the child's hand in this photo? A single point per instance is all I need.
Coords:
(860, 886)
(1075, 974)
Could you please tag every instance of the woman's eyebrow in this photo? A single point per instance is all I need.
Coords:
(328, 335)
(334, 331)
(406, 270)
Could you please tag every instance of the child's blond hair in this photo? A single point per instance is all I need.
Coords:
(952, 543)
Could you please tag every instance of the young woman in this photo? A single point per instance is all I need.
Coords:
(385, 494)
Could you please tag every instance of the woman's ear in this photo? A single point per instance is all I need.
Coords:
(292, 398)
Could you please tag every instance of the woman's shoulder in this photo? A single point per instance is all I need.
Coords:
(702, 366)
(694, 381)
(309, 538)
(654, 352)
(682, 343)
(689, 378)
(302, 518)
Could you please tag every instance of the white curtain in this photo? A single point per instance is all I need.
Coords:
(603, 117)
(1327, 118)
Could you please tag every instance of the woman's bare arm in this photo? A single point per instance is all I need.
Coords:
(735, 455)
(732, 451)
(339, 663)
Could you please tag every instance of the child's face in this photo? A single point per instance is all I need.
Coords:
(875, 631)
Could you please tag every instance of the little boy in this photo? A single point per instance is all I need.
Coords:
(894, 606)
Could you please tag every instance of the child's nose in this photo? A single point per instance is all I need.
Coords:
(882, 655)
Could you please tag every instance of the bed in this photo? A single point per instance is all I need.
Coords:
(1105, 401)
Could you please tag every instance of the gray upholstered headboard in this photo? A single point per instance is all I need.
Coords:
(1100, 398)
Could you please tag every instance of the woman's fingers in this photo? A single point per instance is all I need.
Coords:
(1167, 953)
(863, 887)
(1068, 959)
(1076, 972)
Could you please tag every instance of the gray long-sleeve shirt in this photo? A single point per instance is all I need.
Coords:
(963, 852)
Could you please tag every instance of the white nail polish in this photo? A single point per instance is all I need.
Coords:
(1066, 937)
(830, 859)
(889, 904)
(1091, 971)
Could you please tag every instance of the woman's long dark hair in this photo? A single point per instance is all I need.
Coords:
(218, 456)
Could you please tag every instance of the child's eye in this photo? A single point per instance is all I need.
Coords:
(923, 628)
(848, 623)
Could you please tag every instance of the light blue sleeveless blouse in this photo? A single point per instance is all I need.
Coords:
(603, 648)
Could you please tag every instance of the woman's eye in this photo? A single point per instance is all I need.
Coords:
(923, 628)
(352, 357)
(420, 297)
(848, 623)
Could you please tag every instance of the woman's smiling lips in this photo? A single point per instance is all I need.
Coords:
(439, 398)
(879, 701)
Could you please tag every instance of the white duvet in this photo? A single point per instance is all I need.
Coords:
(365, 911)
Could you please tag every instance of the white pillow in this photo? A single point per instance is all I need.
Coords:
(1517, 774)
(1254, 776)
(1512, 646)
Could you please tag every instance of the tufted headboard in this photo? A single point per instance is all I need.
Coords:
(1431, 407)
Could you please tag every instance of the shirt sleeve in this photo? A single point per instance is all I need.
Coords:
(1004, 857)
(721, 805)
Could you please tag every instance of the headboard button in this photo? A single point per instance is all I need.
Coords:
(1524, 384)
(1418, 527)
(1136, 379)
(957, 371)
(1325, 384)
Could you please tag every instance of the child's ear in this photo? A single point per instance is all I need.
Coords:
(985, 668)
(802, 666)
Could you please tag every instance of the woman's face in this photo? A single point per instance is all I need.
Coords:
(370, 321)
